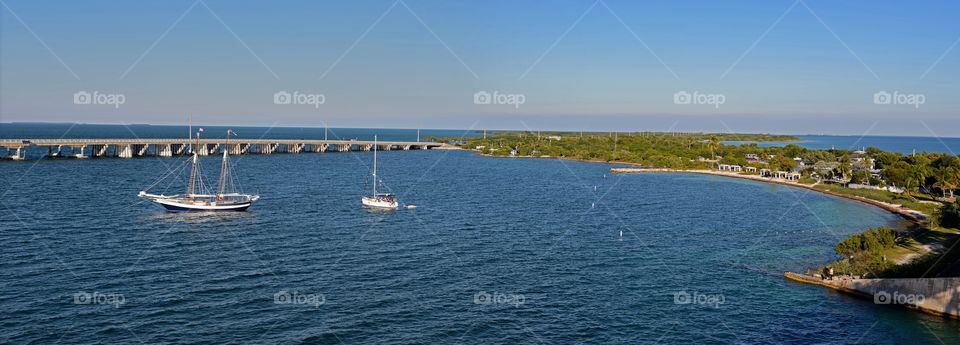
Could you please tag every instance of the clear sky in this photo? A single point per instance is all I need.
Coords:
(784, 66)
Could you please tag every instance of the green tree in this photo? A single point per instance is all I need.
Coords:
(872, 241)
(885, 159)
(845, 169)
(860, 176)
(784, 163)
(916, 176)
(949, 215)
(946, 174)
(897, 173)
(947, 179)
(713, 145)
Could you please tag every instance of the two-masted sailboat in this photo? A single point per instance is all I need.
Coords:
(196, 198)
(378, 200)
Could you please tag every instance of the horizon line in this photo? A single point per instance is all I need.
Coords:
(469, 130)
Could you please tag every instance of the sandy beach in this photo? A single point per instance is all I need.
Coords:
(909, 214)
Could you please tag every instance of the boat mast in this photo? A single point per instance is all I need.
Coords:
(374, 165)
(192, 186)
(223, 168)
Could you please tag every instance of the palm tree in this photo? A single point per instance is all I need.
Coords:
(845, 169)
(947, 180)
(713, 145)
(954, 179)
(917, 176)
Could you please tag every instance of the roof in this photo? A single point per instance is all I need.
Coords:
(824, 165)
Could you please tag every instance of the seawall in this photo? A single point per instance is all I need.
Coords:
(937, 296)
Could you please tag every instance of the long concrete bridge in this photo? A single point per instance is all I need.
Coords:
(128, 148)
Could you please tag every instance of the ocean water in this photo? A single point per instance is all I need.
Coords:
(499, 250)
(905, 145)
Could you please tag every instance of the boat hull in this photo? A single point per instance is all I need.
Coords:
(374, 203)
(172, 206)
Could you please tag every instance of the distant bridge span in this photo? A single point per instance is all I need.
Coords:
(128, 148)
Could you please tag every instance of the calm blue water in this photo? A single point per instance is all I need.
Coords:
(499, 251)
(887, 143)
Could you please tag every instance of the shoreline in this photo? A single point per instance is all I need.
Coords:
(938, 292)
(910, 215)
(906, 213)
(940, 302)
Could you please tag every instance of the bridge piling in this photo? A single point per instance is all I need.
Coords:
(18, 149)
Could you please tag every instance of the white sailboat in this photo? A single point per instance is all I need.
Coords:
(196, 199)
(378, 200)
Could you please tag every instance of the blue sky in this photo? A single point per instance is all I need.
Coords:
(788, 66)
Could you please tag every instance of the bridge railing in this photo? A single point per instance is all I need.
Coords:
(41, 142)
